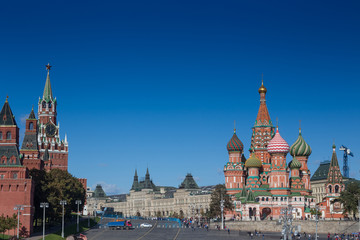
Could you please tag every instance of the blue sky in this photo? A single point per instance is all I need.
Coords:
(158, 84)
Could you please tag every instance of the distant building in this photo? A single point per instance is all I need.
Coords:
(327, 184)
(148, 200)
(265, 183)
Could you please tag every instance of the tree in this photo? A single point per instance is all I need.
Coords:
(349, 198)
(314, 212)
(181, 215)
(215, 210)
(54, 186)
(61, 185)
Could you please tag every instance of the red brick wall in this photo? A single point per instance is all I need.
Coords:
(17, 192)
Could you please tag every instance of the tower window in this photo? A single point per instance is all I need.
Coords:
(49, 104)
(336, 188)
(15, 176)
(44, 104)
(8, 135)
(31, 126)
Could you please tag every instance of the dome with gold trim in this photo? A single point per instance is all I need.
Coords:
(253, 162)
(262, 88)
(300, 147)
(235, 145)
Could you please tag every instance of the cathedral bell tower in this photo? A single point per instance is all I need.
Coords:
(53, 151)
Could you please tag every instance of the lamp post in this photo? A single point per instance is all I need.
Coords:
(359, 212)
(287, 218)
(63, 203)
(222, 211)
(78, 202)
(317, 209)
(44, 205)
(18, 208)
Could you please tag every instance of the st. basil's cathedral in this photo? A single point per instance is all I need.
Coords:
(264, 183)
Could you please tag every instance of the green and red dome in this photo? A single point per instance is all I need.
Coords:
(294, 163)
(235, 145)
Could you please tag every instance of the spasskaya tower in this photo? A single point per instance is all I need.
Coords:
(53, 150)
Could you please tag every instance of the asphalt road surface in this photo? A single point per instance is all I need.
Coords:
(165, 230)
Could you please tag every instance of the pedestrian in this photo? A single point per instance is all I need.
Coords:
(228, 230)
(328, 236)
(309, 236)
(251, 235)
(263, 237)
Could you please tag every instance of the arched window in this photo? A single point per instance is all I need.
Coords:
(294, 199)
(330, 188)
(44, 104)
(49, 105)
(15, 176)
(31, 126)
(267, 199)
(336, 188)
(8, 135)
(1, 137)
(262, 199)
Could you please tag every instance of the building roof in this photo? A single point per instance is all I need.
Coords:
(189, 183)
(253, 162)
(322, 172)
(263, 116)
(300, 147)
(9, 151)
(6, 115)
(47, 95)
(99, 192)
(30, 141)
(235, 144)
(32, 114)
(278, 144)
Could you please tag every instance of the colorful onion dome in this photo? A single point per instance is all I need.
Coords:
(294, 163)
(300, 147)
(262, 88)
(278, 144)
(253, 162)
(235, 145)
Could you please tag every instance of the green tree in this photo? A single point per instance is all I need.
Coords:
(54, 186)
(314, 212)
(61, 185)
(215, 210)
(38, 176)
(181, 215)
(349, 198)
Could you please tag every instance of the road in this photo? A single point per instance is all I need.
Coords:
(169, 231)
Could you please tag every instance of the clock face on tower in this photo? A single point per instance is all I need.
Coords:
(50, 130)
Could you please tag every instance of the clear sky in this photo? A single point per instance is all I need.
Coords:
(159, 84)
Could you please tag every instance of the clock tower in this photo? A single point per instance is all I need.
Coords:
(53, 150)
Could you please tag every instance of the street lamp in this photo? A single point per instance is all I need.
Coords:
(44, 205)
(18, 208)
(222, 211)
(287, 218)
(317, 209)
(78, 202)
(63, 203)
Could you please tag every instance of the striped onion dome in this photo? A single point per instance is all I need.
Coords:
(278, 144)
(253, 161)
(300, 147)
(294, 163)
(235, 145)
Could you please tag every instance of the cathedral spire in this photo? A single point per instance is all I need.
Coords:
(47, 95)
(135, 184)
(263, 117)
(334, 175)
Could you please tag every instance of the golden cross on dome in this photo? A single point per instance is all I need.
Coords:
(7, 98)
(234, 126)
(262, 78)
(48, 67)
